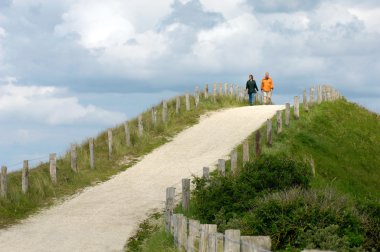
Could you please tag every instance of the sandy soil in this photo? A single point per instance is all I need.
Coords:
(103, 217)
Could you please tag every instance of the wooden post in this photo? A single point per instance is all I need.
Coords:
(182, 231)
(269, 132)
(169, 207)
(220, 89)
(177, 104)
(206, 172)
(215, 92)
(245, 151)
(219, 242)
(206, 91)
(279, 121)
(296, 108)
(206, 229)
(255, 243)
(196, 97)
(164, 111)
(127, 134)
(287, 114)
(53, 167)
(140, 125)
(177, 228)
(211, 247)
(231, 89)
(185, 194)
(258, 146)
(193, 236)
(304, 100)
(3, 182)
(154, 116)
(187, 97)
(319, 95)
(222, 166)
(233, 161)
(312, 96)
(225, 88)
(109, 143)
(25, 177)
(232, 240)
(74, 166)
(91, 147)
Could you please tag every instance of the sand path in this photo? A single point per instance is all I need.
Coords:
(101, 218)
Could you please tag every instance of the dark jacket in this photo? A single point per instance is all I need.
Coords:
(251, 86)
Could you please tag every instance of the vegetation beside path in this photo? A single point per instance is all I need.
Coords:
(317, 187)
(42, 193)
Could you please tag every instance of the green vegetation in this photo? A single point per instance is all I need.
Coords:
(277, 194)
(43, 193)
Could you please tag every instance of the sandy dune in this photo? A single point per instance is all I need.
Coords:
(101, 218)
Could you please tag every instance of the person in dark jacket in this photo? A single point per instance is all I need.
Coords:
(251, 88)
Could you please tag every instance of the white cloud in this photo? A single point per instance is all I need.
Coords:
(49, 105)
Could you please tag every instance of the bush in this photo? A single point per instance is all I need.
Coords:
(222, 198)
(289, 217)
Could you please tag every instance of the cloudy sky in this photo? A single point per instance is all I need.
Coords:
(70, 68)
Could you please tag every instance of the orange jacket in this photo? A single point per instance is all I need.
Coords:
(267, 84)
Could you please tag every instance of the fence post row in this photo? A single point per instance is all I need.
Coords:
(279, 121)
(3, 182)
(304, 100)
(109, 143)
(25, 177)
(206, 91)
(127, 134)
(53, 167)
(74, 158)
(296, 108)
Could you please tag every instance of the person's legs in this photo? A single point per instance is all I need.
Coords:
(269, 97)
(250, 98)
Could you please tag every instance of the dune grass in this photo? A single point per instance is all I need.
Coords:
(43, 193)
(339, 141)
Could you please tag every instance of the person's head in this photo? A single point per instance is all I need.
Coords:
(266, 75)
(251, 77)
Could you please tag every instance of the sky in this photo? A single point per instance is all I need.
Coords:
(72, 68)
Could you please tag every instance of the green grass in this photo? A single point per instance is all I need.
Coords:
(341, 140)
(43, 193)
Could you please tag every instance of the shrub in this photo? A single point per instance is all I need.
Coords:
(222, 198)
(290, 216)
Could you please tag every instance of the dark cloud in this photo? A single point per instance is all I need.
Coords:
(192, 14)
(266, 6)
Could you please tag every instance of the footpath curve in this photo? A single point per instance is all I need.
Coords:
(103, 217)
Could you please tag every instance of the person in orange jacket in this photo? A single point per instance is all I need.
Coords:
(266, 88)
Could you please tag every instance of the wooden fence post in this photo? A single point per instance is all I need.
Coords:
(193, 236)
(222, 166)
(269, 132)
(127, 134)
(279, 121)
(225, 88)
(164, 111)
(287, 114)
(231, 89)
(233, 161)
(215, 92)
(304, 100)
(206, 91)
(53, 167)
(196, 98)
(177, 104)
(245, 152)
(185, 194)
(3, 182)
(255, 243)
(169, 207)
(187, 101)
(312, 96)
(258, 146)
(74, 166)
(140, 125)
(319, 94)
(232, 240)
(92, 158)
(154, 116)
(220, 89)
(109, 143)
(182, 231)
(25, 177)
(206, 229)
(206, 172)
(296, 108)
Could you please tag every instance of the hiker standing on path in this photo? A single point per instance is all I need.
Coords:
(266, 88)
(251, 88)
